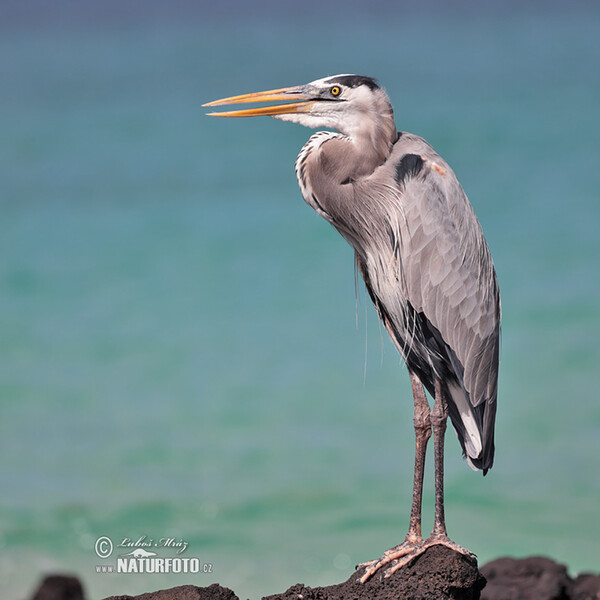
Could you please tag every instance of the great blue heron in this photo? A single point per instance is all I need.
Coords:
(424, 260)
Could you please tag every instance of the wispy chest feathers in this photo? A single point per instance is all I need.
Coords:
(365, 143)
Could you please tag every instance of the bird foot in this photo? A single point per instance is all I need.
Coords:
(406, 552)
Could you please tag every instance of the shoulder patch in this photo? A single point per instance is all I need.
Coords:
(408, 166)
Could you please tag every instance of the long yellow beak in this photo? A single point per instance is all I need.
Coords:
(289, 93)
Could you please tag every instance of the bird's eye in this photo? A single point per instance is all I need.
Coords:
(335, 90)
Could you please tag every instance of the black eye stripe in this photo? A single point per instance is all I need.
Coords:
(352, 81)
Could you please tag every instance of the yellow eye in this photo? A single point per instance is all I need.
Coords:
(335, 91)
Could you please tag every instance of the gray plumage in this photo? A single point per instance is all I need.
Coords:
(424, 260)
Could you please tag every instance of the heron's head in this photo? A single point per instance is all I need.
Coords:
(346, 103)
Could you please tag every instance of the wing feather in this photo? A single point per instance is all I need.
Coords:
(453, 283)
(426, 265)
(447, 275)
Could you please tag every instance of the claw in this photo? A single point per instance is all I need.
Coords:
(406, 552)
(405, 548)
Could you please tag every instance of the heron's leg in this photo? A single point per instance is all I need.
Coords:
(422, 424)
(439, 417)
(414, 545)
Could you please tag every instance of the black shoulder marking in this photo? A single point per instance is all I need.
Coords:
(408, 166)
(353, 81)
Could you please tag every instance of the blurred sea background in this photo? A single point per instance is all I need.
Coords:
(182, 350)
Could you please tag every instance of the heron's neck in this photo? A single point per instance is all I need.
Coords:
(373, 144)
(329, 161)
(371, 140)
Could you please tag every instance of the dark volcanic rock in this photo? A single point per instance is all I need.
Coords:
(533, 578)
(59, 587)
(585, 587)
(438, 574)
(185, 592)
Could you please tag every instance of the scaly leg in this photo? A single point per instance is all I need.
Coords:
(422, 424)
(414, 545)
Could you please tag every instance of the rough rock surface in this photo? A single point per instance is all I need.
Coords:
(532, 578)
(185, 592)
(438, 574)
(59, 587)
(585, 587)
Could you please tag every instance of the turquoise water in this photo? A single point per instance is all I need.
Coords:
(183, 353)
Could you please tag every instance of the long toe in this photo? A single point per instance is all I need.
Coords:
(406, 549)
(435, 539)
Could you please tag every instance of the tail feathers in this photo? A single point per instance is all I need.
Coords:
(474, 427)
